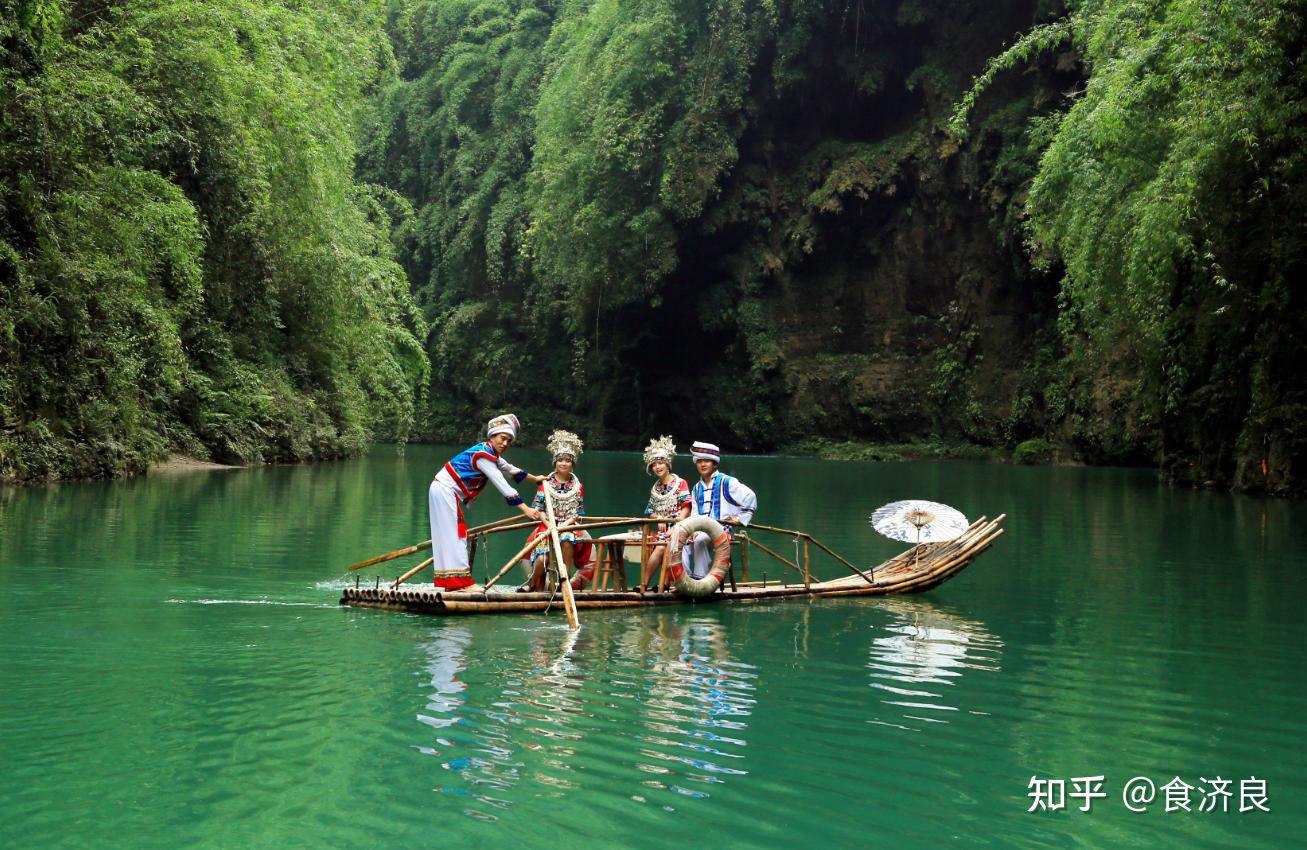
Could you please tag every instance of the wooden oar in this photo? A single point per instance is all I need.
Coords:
(530, 544)
(390, 556)
(408, 575)
(569, 601)
(473, 532)
(409, 550)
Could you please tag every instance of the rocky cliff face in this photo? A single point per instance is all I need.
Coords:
(873, 269)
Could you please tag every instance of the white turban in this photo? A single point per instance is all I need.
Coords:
(706, 451)
(504, 423)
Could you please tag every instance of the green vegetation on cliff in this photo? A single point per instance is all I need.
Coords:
(1170, 193)
(187, 260)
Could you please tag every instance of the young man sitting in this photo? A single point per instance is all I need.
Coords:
(719, 496)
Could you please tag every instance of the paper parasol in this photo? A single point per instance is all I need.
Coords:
(918, 521)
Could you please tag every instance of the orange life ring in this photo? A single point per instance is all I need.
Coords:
(676, 541)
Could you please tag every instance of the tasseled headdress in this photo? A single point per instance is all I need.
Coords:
(660, 449)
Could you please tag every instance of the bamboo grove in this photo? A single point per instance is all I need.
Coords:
(279, 231)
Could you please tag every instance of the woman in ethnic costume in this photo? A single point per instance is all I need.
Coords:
(669, 499)
(457, 484)
(569, 507)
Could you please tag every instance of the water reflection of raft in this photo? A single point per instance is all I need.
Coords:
(916, 570)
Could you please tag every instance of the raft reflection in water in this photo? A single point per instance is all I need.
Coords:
(659, 709)
(659, 702)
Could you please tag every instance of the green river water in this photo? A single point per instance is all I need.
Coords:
(177, 672)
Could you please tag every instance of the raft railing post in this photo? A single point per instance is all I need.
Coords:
(807, 573)
(744, 557)
(644, 554)
(662, 567)
(792, 565)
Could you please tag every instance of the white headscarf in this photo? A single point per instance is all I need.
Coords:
(706, 451)
(504, 423)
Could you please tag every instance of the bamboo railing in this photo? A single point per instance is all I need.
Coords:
(801, 565)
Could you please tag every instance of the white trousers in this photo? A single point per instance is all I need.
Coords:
(697, 555)
(448, 530)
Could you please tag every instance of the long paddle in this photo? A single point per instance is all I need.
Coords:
(408, 575)
(390, 556)
(530, 544)
(409, 550)
(569, 601)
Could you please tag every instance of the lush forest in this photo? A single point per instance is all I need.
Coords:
(189, 261)
(277, 231)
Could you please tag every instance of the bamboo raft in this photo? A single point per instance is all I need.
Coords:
(916, 570)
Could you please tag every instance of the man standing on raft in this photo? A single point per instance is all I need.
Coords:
(457, 484)
(719, 496)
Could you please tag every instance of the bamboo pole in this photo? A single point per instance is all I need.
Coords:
(608, 523)
(517, 524)
(586, 524)
(807, 562)
(409, 550)
(390, 556)
(499, 523)
(569, 602)
(408, 575)
(753, 525)
(514, 523)
(787, 562)
(590, 519)
(530, 544)
(509, 524)
(823, 547)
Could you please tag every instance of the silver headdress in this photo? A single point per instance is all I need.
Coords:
(660, 449)
(564, 443)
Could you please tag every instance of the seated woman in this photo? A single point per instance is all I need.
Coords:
(669, 499)
(569, 506)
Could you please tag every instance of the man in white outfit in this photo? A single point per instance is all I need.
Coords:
(719, 496)
(458, 483)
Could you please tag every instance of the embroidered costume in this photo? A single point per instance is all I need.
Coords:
(665, 500)
(721, 497)
(459, 482)
(569, 506)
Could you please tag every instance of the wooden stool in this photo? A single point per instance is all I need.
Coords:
(611, 564)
